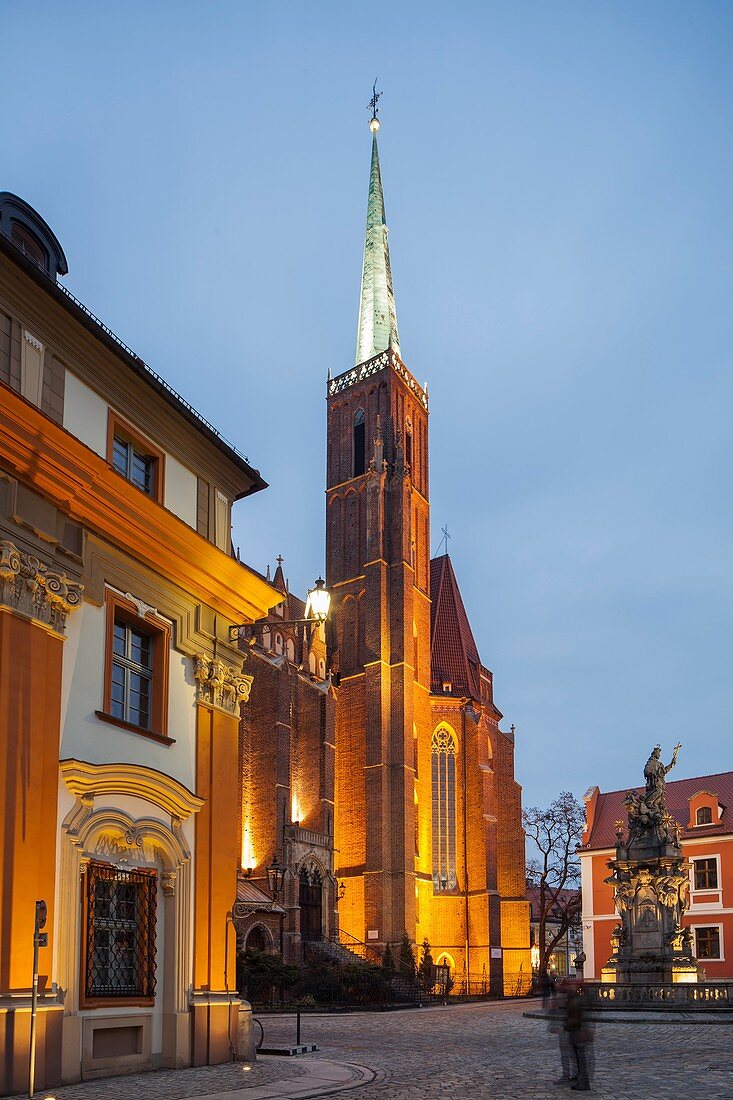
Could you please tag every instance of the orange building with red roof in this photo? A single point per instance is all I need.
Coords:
(703, 806)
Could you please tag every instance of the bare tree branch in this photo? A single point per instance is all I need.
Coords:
(556, 833)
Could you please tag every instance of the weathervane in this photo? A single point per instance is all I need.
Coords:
(373, 106)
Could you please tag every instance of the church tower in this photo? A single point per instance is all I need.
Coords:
(378, 569)
(427, 812)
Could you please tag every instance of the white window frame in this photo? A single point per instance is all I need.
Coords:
(706, 906)
(714, 809)
(721, 956)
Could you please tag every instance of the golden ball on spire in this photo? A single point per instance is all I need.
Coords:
(374, 124)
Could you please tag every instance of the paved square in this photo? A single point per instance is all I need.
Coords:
(482, 1051)
(491, 1050)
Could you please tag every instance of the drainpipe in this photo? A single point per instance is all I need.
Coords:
(465, 847)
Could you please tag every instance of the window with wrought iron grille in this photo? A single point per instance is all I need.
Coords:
(706, 874)
(120, 933)
(707, 942)
(444, 810)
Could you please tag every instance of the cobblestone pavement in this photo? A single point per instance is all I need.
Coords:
(491, 1051)
(469, 1051)
(176, 1084)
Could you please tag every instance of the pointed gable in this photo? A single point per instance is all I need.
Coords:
(454, 656)
(278, 581)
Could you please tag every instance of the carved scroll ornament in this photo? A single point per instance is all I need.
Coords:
(31, 588)
(220, 685)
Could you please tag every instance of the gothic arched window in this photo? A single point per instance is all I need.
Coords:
(444, 809)
(359, 443)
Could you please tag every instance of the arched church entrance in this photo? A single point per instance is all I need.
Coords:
(258, 940)
(311, 903)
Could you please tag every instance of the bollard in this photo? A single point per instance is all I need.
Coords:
(297, 1028)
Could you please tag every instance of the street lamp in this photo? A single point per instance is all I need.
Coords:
(275, 877)
(276, 881)
(316, 611)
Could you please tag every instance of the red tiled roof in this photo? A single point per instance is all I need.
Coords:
(453, 652)
(610, 808)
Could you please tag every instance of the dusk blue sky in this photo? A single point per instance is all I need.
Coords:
(558, 183)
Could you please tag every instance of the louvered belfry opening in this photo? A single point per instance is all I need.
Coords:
(120, 940)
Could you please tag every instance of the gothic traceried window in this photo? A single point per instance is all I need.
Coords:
(359, 443)
(444, 809)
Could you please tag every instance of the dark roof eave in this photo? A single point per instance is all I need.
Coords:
(98, 330)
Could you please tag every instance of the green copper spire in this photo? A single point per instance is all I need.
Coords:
(377, 314)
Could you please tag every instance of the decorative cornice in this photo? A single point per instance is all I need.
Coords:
(93, 495)
(245, 908)
(87, 781)
(31, 588)
(220, 685)
(388, 358)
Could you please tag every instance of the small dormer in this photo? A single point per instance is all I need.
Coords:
(31, 235)
(705, 810)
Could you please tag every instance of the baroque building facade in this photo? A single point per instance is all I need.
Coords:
(120, 692)
(428, 833)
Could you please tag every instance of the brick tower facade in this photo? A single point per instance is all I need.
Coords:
(427, 824)
(378, 568)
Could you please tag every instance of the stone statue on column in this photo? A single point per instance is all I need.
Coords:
(650, 880)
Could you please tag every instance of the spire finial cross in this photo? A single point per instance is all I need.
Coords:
(373, 106)
(446, 535)
(279, 559)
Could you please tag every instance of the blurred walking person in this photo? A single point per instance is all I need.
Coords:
(579, 1035)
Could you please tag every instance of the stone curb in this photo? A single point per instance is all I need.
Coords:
(618, 1016)
(322, 1077)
